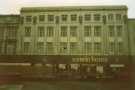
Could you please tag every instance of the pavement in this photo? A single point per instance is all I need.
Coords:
(69, 85)
(11, 87)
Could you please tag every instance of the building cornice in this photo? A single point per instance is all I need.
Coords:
(74, 8)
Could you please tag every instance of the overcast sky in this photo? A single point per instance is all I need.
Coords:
(14, 6)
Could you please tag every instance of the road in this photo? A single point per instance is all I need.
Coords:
(69, 85)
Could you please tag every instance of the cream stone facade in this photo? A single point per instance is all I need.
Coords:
(84, 30)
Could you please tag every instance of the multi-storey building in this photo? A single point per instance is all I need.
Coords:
(92, 30)
(9, 25)
(131, 28)
(92, 36)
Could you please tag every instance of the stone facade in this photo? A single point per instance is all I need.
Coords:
(73, 30)
(9, 26)
(84, 30)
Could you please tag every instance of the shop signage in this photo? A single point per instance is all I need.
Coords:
(89, 59)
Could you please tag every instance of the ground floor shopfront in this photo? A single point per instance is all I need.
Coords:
(69, 66)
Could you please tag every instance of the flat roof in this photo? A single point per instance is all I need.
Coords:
(9, 15)
(71, 8)
(131, 19)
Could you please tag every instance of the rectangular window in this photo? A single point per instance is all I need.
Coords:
(119, 31)
(50, 17)
(50, 31)
(97, 17)
(11, 32)
(87, 47)
(63, 31)
(97, 47)
(2, 32)
(87, 17)
(111, 47)
(41, 18)
(118, 17)
(63, 47)
(41, 32)
(64, 17)
(97, 31)
(73, 31)
(49, 48)
(73, 47)
(111, 31)
(26, 47)
(27, 31)
(74, 17)
(120, 47)
(110, 17)
(40, 47)
(1, 44)
(87, 31)
(28, 18)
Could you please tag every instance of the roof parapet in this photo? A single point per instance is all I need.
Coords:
(74, 8)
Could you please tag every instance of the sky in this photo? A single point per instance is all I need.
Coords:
(14, 6)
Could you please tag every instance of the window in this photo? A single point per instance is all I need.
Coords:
(11, 32)
(73, 17)
(87, 17)
(41, 31)
(64, 17)
(73, 31)
(97, 47)
(28, 18)
(97, 31)
(87, 47)
(50, 17)
(49, 47)
(63, 47)
(87, 31)
(41, 18)
(50, 31)
(111, 47)
(120, 47)
(119, 31)
(118, 17)
(64, 31)
(27, 31)
(110, 17)
(111, 31)
(26, 47)
(97, 17)
(2, 32)
(40, 47)
(1, 44)
(73, 47)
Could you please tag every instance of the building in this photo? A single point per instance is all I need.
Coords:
(9, 26)
(131, 28)
(84, 30)
(99, 37)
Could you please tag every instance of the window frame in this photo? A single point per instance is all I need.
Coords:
(74, 17)
(97, 17)
(41, 18)
(41, 31)
(87, 17)
(64, 31)
(50, 18)
(28, 19)
(28, 31)
(87, 31)
(73, 31)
